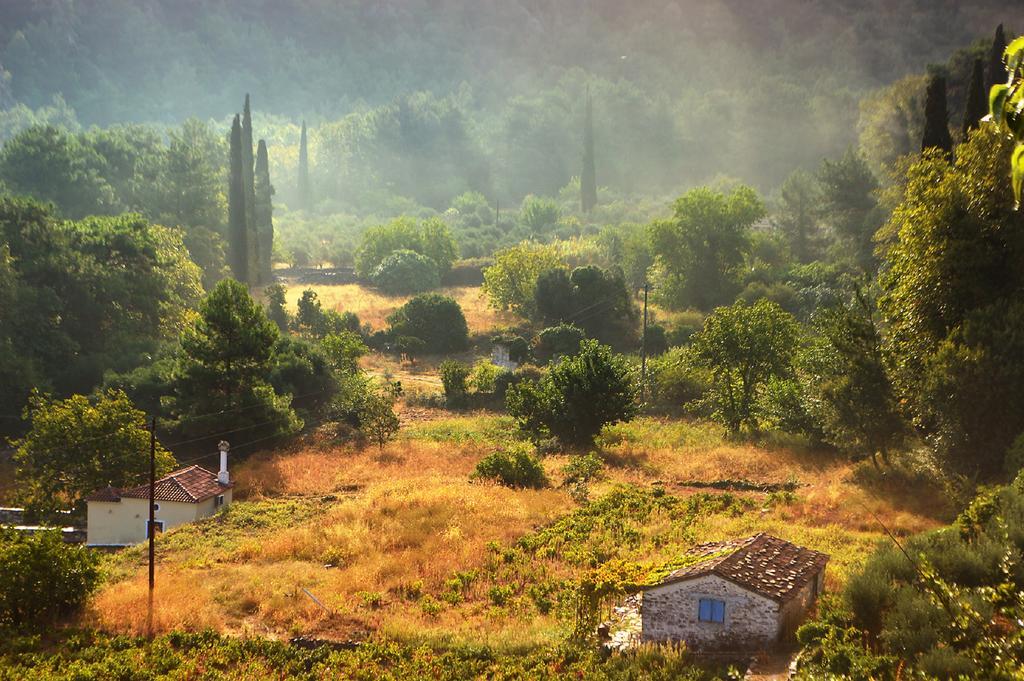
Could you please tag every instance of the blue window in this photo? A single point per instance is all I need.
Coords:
(711, 610)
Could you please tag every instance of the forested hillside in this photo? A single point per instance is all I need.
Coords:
(489, 94)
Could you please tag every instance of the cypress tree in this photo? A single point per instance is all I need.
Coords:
(936, 117)
(248, 181)
(238, 241)
(264, 213)
(996, 68)
(303, 183)
(588, 177)
(976, 107)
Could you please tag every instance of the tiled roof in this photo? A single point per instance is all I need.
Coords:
(188, 485)
(764, 564)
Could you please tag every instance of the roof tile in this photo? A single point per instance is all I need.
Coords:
(762, 563)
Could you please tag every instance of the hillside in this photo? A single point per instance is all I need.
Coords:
(399, 542)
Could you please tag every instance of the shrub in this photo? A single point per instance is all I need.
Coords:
(515, 468)
(42, 578)
(435, 319)
(453, 378)
(558, 341)
(577, 398)
(579, 472)
(404, 272)
(674, 382)
(484, 378)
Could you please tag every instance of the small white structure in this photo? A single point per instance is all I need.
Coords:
(121, 517)
(739, 595)
(502, 357)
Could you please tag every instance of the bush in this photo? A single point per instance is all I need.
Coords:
(558, 341)
(579, 472)
(577, 398)
(404, 272)
(453, 378)
(42, 578)
(516, 468)
(484, 378)
(673, 382)
(436, 320)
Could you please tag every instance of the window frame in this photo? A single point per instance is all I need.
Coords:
(711, 610)
(158, 524)
(218, 501)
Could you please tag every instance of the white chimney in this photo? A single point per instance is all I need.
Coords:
(222, 477)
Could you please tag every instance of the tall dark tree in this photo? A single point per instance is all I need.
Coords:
(996, 69)
(264, 213)
(303, 183)
(936, 116)
(238, 231)
(249, 185)
(588, 177)
(976, 107)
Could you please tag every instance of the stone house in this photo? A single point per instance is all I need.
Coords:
(121, 517)
(739, 595)
(501, 355)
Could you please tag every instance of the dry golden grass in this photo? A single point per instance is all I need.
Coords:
(395, 524)
(416, 520)
(373, 307)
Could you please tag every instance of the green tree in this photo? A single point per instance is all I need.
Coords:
(51, 165)
(849, 206)
(852, 397)
(430, 238)
(191, 195)
(797, 215)
(343, 351)
(263, 214)
(454, 375)
(936, 117)
(225, 364)
(302, 183)
(996, 71)
(249, 192)
(951, 292)
(578, 397)
(511, 281)
(43, 580)
(594, 299)
(588, 176)
(377, 417)
(435, 319)
(976, 106)
(76, 446)
(404, 272)
(238, 225)
(539, 215)
(277, 306)
(744, 348)
(700, 249)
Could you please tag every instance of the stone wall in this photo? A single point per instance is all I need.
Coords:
(669, 613)
(794, 611)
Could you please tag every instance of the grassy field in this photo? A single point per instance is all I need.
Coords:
(399, 541)
(373, 307)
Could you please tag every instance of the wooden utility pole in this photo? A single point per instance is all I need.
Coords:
(643, 350)
(152, 525)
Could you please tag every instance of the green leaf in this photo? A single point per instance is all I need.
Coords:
(1014, 49)
(996, 100)
(1018, 171)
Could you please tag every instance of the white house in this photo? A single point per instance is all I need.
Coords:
(744, 594)
(121, 517)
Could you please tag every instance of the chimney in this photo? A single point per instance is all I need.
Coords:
(222, 477)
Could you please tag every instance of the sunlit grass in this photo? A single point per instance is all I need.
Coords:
(399, 540)
(373, 307)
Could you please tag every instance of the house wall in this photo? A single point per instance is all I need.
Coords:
(669, 613)
(120, 523)
(794, 611)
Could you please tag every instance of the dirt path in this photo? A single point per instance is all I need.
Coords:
(770, 667)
